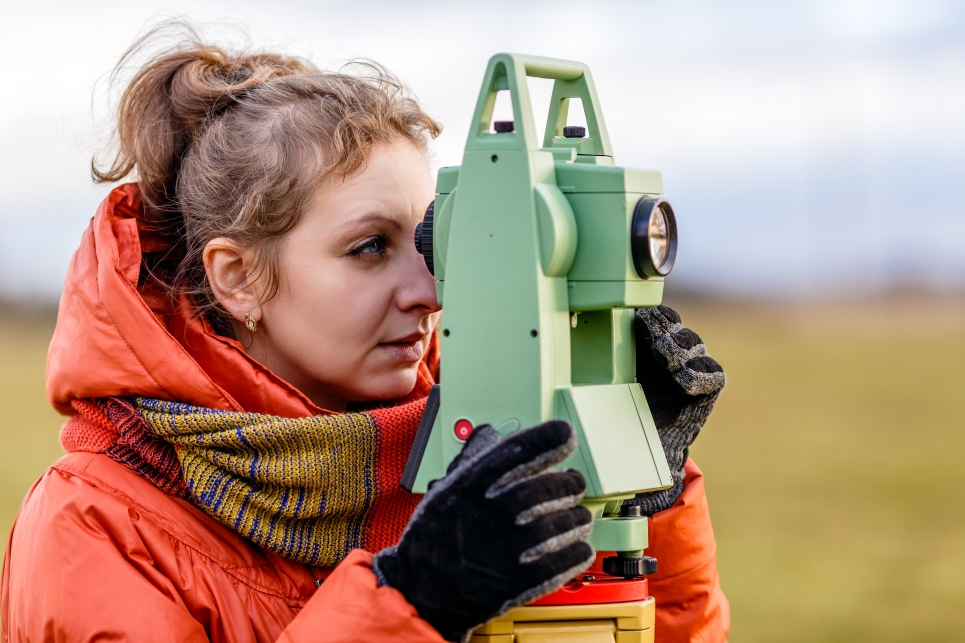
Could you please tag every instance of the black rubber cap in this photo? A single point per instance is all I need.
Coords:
(631, 511)
(503, 127)
(574, 131)
(423, 238)
(630, 567)
(649, 565)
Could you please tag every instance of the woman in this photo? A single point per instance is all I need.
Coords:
(245, 342)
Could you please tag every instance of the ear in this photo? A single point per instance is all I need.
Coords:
(230, 268)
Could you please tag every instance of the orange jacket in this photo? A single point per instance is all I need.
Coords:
(99, 552)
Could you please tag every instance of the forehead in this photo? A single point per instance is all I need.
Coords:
(393, 183)
(397, 167)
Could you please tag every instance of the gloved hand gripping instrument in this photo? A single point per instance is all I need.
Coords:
(499, 530)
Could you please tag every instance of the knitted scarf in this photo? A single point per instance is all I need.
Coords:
(309, 489)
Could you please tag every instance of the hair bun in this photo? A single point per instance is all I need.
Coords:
(171, 99)
(203, 87)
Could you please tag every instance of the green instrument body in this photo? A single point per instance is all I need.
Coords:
(532, 259)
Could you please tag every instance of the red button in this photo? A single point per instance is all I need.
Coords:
(463, 429)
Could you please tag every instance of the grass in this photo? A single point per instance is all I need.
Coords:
(28, 425)
(835, 462)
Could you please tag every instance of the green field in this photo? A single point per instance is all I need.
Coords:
(835, 462)
(28, 425)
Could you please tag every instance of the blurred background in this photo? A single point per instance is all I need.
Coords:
(815, 155)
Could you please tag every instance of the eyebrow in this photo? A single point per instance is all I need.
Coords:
(366, 218)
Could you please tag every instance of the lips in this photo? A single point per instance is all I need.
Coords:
(408, 349)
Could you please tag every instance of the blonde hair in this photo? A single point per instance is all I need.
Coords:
(236, 144)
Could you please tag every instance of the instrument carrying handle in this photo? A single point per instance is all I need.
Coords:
(509, 72)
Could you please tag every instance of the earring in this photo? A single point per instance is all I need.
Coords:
(250, 322)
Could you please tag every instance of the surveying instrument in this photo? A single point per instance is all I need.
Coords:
(540, 254)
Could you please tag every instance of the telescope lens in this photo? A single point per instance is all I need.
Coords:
(659, 236)
(653, 237)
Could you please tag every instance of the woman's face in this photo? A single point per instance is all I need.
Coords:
(356, 304)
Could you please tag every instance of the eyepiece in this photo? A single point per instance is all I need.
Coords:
(653, 237)
(423, 238)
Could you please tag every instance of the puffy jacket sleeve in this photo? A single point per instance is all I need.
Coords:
(67, 576)
(350, 606)
(690, 603)
(83, 564)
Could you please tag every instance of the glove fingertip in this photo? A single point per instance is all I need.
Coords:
(686, 338)
(576, 479)
(547, 436)
(562, 428)
(672, 315)
(566, 563)
(576, 557)
(704, 364)
(585, 552)
(565, 437)
(482, 438)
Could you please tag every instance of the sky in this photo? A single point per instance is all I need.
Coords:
(810, 149)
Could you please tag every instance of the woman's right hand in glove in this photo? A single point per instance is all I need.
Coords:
(499, 530)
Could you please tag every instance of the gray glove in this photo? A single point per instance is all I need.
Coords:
(681, 382)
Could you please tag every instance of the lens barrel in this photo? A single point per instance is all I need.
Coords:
(423, 238)
(653, 237)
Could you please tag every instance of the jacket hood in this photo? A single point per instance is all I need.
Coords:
(114, 339)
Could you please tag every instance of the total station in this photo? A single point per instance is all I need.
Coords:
(540, 254)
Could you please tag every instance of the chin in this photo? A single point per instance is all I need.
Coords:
(388, 387)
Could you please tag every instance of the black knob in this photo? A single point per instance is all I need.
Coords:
(649, 565)
(502, 127)
(630, 567)
(631, 511)
(423, 238)
(574, 131)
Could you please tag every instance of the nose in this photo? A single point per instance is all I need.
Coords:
(418, 288)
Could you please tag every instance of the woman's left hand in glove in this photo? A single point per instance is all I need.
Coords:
(682, 383)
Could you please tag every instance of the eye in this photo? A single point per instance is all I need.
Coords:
(371, 247)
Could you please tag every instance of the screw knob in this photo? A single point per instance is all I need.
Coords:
(574, 131)
(631, 511)
(630, 567)
(503, 127)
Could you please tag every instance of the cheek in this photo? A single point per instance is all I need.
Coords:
(340, 306)
(335, 315)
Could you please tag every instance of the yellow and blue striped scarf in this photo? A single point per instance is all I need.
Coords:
(310, 489)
